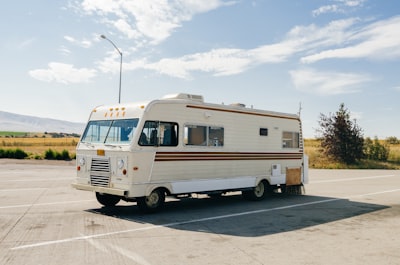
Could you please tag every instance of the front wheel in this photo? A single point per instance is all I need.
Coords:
(153, 202)
(257, 193)
(107, 199)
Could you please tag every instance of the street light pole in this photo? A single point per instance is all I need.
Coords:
(120, 65)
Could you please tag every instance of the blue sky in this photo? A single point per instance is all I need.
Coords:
(267, 54)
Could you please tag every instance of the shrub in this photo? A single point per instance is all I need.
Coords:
(392, 140)
(65, 155)
(50, 155)
(13, 153)
(54, 155)
(374, 150)
(20, 154)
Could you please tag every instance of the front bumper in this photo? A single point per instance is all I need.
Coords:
(112, 191)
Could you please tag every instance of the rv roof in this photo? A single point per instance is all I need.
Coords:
(185, 96)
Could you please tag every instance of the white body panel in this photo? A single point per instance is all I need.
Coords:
(239, 159)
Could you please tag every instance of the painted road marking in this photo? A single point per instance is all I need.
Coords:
(350, 179)
(16, 190)
(31, 180)
(43, 204)
(72, 239)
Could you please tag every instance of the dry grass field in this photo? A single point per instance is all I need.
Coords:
(318, 160)
(37, 146)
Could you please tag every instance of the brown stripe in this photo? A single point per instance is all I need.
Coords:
(202, 156)
(244, 112)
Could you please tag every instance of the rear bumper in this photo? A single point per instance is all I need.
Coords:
(112, 191)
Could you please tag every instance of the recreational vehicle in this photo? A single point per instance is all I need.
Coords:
(179, 146)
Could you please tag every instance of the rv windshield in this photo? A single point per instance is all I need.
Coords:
(110, 131)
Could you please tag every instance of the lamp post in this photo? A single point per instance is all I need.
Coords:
(120, 65)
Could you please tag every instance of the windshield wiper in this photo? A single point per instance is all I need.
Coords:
(88, 144)
(112, 145)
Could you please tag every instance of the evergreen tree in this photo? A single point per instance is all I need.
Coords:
(341, 138)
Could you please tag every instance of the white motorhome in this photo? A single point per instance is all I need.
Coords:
(179, 145)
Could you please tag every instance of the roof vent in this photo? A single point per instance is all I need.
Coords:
(241, 105)
(185, 96)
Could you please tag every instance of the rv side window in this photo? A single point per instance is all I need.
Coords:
(290, 140)
(203, 135)
(159, 133)
(215, 136)
(264, 131)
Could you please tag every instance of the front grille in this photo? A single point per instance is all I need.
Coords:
(100, 172)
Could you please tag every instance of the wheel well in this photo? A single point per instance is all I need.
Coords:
(267, 185)
(165, 190)
(163, 187)
(265, 182)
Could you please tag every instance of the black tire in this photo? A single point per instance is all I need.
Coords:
(257, 193)
(152, 203)
(107, 200)
(283, 189)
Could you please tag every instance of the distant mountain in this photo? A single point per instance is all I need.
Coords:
(23, 123)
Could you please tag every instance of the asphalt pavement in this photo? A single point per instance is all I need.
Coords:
(345, 217)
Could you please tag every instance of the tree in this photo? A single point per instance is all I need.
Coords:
(341, 138)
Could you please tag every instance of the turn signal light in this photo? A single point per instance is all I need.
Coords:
(101, 152)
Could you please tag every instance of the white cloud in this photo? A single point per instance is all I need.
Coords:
(352, 3)
(219, 61)
(110, 64)
(64, 50)
(151, 19)
(81, 43)
(313, 37)
(327, 83)
(26, 43)
(222, 61)
(379, 40)
(341, 6)
(154, 20)
(325, 9)
(63, 73)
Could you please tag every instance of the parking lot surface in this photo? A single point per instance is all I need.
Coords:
(345, 217)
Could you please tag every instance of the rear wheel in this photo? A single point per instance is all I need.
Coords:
(153, 202)
(107, 199)
(257, 193)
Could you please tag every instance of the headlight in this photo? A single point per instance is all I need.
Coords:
(120, 164)
(82, 161)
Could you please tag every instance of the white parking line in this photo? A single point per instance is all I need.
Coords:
(16, 190)
(32, 180)
(104, 247)
(72, 239)
(350, 179)
(42, 204)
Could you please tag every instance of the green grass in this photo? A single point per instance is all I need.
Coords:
(14, 134)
